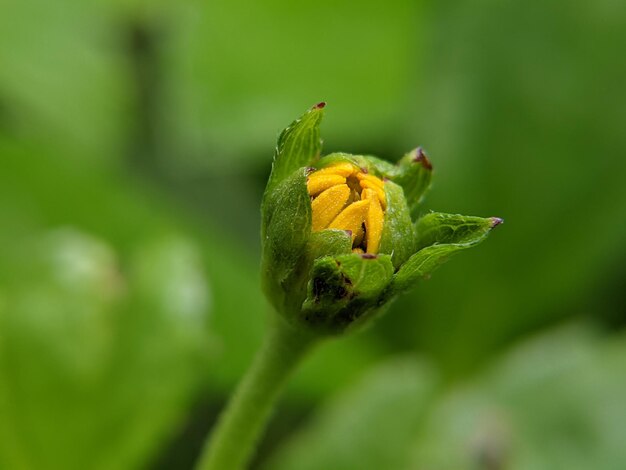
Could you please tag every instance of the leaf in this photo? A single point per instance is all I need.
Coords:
(97, 363)
(438, 228)
(413, 173)
(299, 145)
(442, 235)
(285, 231)
(369, 426)
(553, 402)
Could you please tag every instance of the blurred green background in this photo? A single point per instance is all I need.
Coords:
(135, 141)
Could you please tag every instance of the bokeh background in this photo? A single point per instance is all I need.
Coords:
(135, 141)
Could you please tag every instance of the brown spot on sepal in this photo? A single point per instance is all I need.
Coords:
(420, 157)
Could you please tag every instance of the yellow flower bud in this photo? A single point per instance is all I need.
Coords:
(346, 198)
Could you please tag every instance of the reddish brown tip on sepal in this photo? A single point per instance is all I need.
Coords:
(368, 256)
(320, 105)
(495, 221)
(420, 157)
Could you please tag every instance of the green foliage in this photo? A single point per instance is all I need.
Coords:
(371, 425)
(146, 128)
(97, 366)
(298, 145)
(524, 413)
(285, 231)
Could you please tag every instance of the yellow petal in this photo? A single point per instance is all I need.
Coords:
(380, 192)
(318, 183)
(358, 250)
(342, 169)
(373, 221)
(351, 218)
(328, 205)
(370, 178)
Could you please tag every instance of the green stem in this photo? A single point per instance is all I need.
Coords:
(234, 439)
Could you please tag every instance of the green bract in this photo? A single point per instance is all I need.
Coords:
(314, 279)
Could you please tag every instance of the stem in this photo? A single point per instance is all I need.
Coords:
(234, 439)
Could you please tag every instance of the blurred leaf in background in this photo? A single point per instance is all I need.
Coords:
(523, 107)
(523, 413)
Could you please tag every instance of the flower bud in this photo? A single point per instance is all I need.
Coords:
(340, 233)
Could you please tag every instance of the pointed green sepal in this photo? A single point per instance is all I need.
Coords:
(345, 290)
(439, 228)
(299, 145)
(414, 173)
(438, 237)
(398, 238)
(285, 231)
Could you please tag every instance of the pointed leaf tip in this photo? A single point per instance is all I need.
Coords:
(299, 145)
(420, 157)
(495, 221)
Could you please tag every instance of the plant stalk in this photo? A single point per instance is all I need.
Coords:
(234, 439)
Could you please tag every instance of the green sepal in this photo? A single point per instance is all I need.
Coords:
(285, 231)
(335, 158)
(368, 164)
(438, 237)
(299, 145)
(414, 173)
(345, 290)
(439, 228)
(398, 238)
(329, 242)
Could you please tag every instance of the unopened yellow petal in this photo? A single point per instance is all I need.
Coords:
(318, 183)
(373, 221)
(344, 169)
(351, 218)
(380, 192)
(328, 205)
(370, 178)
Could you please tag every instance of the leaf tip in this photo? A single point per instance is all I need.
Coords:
(421, 158)
(320, 105)
(495, 221)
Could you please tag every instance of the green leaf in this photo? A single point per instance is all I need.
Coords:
(345, 289)
(555, 402)
(438, 228)
(521, 412)
(299, 145)
(99, 355)
(398, 237)
(414, 173)
(369, 426)
(285, 232)
(442, 235)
